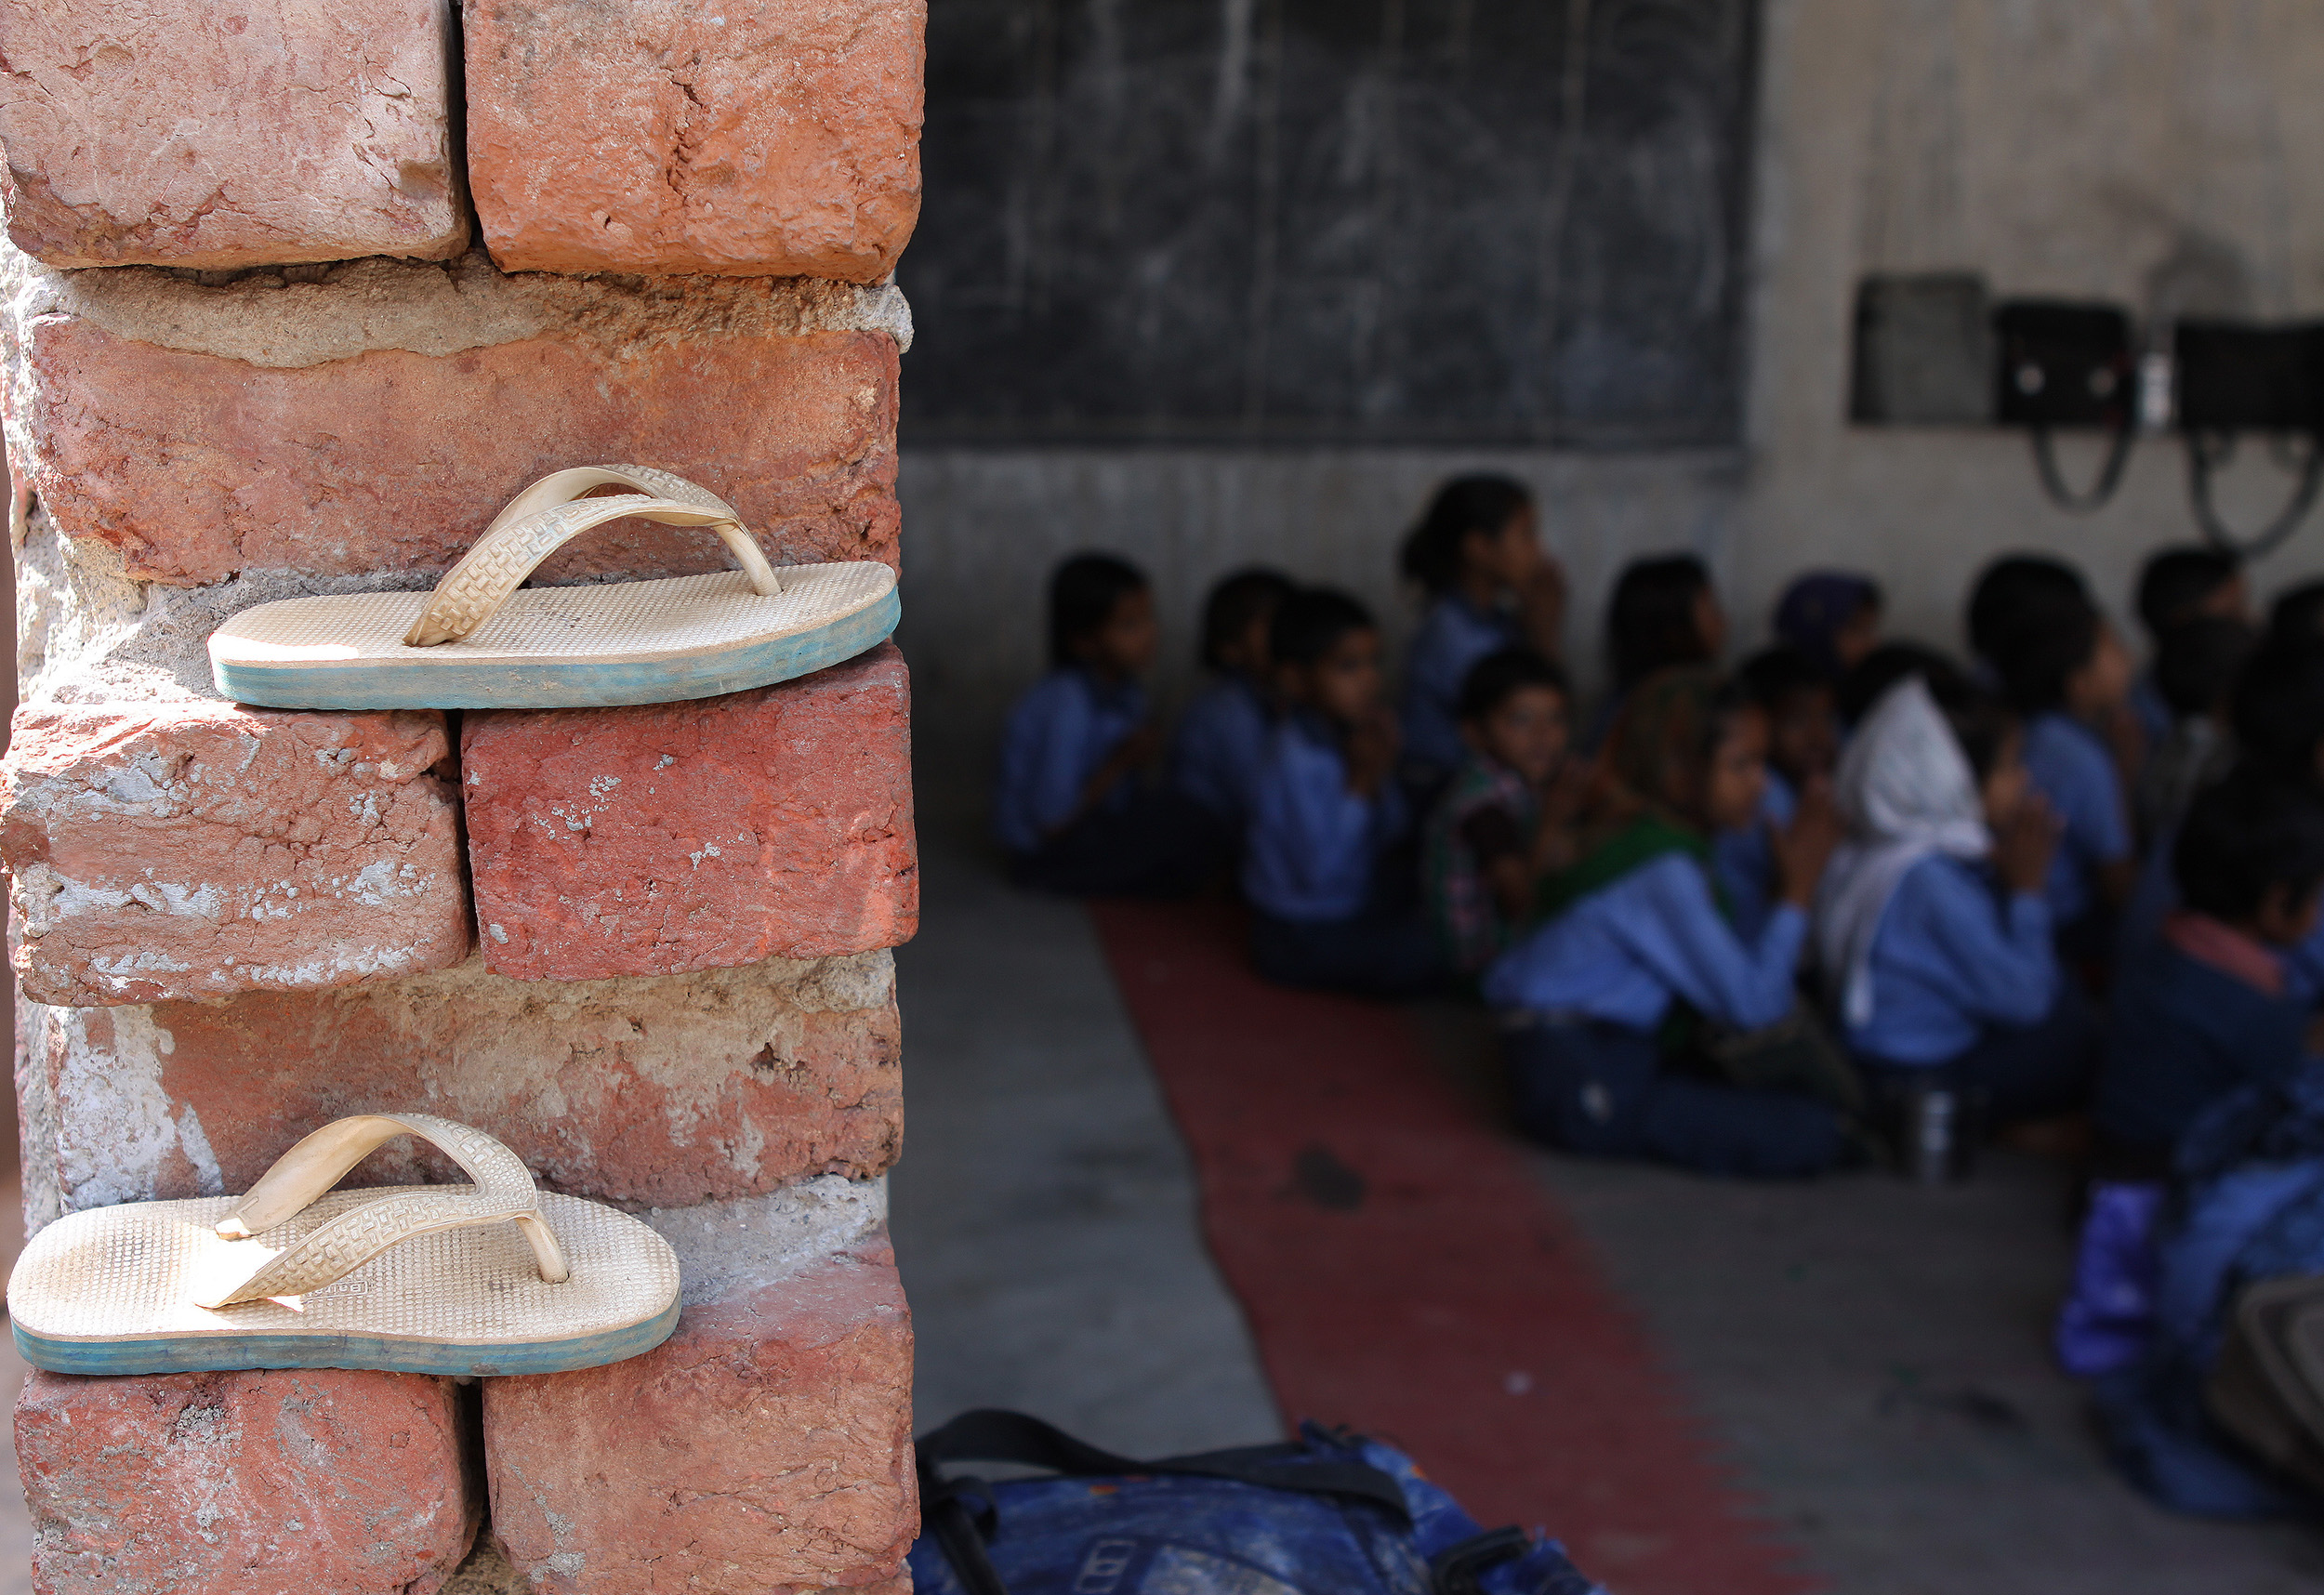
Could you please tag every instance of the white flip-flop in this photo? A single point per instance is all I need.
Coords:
(484, 641)
(496, 1277)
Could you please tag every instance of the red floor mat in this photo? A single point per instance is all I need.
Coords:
(1404, 1271)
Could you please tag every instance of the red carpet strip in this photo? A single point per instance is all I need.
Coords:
(1406, 1273)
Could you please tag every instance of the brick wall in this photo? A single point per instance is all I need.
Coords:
(297, 296)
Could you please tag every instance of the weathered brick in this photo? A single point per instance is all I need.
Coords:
(696, 836)
(778, 139)
(667, 1091)
(377, 420)
(287, 1482)
(189, 134)
(766, 1446)
(167, 850)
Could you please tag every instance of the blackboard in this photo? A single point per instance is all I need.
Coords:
(1332, 221)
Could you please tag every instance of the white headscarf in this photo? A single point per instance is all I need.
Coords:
(1905, 791)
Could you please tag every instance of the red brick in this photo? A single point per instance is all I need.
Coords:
(198, 466)
(658, 137)
(302, 1483)
(696, 836)
(187, 134)
(766, 1446)
(198, 849)
(666, 1092)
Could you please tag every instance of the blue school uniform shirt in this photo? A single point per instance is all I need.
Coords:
(2180, 1035)
(1067, 725)
(1310, 852)
(2154, 715)
(1222, 742)
(1454, 635)
(1953, 955)
(2072, 769)
(1745, 862)
(1627, 951)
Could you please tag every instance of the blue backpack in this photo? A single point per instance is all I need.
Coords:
(1330, 1514)
(2250, 1208)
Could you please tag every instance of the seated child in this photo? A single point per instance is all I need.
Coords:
(1068, 807)
(1222, 736)
(1477, 555)
(1802, 743)
(2210, 1007)
(2176, 586)
(2204, 1008)
(1663, 613)
(2061, 669)
(1329, 912)
(1503, 823)
(1584, 997)
(2195, 666)
(2196, 669)
(1932, 926)
(1832, 618)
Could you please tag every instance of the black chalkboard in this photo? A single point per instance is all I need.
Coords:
(1332, 221)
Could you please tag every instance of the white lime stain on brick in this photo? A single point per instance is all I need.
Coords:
(117, 1128)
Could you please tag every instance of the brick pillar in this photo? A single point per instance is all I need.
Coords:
(646, 947)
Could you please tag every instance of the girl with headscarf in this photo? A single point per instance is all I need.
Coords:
(1477, 556)
(1931, 923)
(1639, 936)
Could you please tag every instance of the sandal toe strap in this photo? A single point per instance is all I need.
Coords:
(504, 1193)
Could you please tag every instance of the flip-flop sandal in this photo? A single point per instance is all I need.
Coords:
(491, 1278)
(482, 640)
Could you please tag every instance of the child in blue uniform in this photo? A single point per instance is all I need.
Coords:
(1803, 744)
(1584, 998)
(1069, 807)
(2176, 586)
(1222, 736)
(1506, 820)
(1477, 555)
(2066, 674)
(2207, 1007)
(2278, 714)
(2212, 1007)
(1933, 929)
(1329, 912)
(1663, 613)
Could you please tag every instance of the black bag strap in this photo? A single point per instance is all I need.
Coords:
(990, 1434)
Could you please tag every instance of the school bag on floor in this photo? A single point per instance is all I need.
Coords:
(1328, 1514)
(2248, 1213)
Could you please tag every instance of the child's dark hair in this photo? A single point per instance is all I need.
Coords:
(1492, 680)
(2010, 588)
(2278, 709)
(1772, 676)
(1081, 599)
(1890, 662)
(1650, 622)
(2036, 633)
(1817, 606)
(1981, 722)
(1311, 620)
(2174, 584)
(2297, 614)
(1467, 504)
(1235, 600)
(2198, 662)
(2244, 835)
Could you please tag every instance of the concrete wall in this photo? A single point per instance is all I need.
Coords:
(2160, 153)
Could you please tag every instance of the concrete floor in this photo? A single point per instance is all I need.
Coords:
(1868, 1355)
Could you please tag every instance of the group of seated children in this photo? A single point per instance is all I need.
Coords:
(1675, 910)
